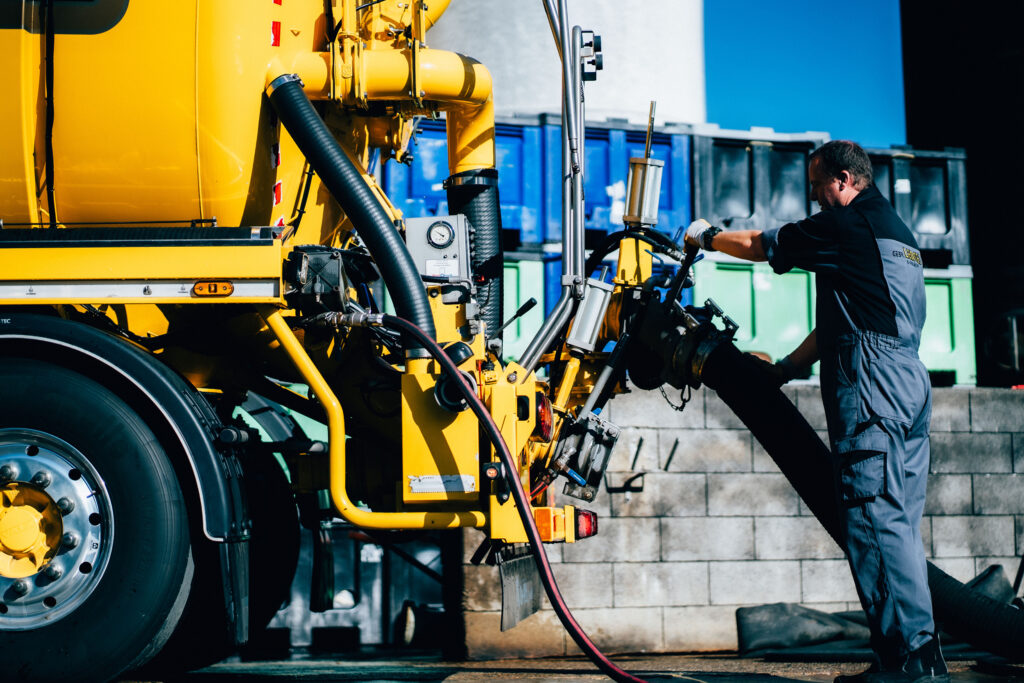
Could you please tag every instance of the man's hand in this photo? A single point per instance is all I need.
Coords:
(778, 372)
(700, 234)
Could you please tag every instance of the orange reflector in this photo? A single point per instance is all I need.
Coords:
(550, 523)
(213, 288)
(586, 523)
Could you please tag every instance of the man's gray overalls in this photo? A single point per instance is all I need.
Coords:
(870, 310)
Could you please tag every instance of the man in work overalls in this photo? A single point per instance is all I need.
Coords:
(870, 310)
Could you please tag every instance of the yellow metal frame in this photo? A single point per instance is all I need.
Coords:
(183, 266)
(336, 439)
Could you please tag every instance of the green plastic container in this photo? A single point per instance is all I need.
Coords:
(947, 341)
(524, 278)
(776, 312)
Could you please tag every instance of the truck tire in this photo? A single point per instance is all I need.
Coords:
(95, 559)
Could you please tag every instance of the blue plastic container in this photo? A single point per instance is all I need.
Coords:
(418, 189)
(609, 146)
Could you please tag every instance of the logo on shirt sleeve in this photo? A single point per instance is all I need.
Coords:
(911, 255)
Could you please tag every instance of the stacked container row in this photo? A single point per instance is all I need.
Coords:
(754, 179)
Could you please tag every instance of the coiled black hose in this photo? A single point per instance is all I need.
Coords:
(344, 181)
(522, 502)
(475, 195)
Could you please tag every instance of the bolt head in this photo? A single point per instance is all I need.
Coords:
(69, 540)
(8, 473)
(52, 572)
(65, 505)
(20, 587)
(42, 479)
(512, 377)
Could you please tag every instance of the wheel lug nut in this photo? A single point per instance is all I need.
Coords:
(20, 587)
(69, 540)
(65, 505)
(8, 473)
(52, 572)
(42, 479)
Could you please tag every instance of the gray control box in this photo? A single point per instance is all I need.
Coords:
(439, 245)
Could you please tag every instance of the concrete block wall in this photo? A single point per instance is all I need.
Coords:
(717, 526)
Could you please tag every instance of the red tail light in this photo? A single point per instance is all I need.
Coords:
(545, 427)
(586, 523)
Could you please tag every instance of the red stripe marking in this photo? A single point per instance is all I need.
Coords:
(277, 193)
(275, 34)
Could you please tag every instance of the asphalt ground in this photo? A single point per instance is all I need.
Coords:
(695, 668)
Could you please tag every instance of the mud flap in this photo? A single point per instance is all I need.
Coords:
(521, 588)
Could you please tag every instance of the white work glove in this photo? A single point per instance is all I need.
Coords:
(700, 233)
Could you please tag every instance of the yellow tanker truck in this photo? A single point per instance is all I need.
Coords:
(188, 225)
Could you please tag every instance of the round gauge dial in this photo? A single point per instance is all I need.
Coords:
(440, 235)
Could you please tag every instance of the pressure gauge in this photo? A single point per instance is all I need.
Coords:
(440, 234)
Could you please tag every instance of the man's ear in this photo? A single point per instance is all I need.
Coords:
(845, 178)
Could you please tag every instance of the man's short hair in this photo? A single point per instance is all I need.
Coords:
(842, 155)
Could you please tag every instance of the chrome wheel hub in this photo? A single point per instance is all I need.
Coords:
(56, 529)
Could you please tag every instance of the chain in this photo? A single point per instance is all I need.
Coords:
(684, 396)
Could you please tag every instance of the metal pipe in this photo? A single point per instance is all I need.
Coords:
(569, 93)
(579, 214)
(560, 315)
(572, 237)
(572, 186)
(556, 28)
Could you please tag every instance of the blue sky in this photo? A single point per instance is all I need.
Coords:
(797, 65)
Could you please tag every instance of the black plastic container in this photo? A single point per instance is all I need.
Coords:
(929, 192)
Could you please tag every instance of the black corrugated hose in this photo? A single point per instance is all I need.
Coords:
(806, 461)
(519, 495)
(475, 195)
(357, 200)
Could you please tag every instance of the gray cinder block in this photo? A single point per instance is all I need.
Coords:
(643, 584)
(754, 583)
(948, 494)
(708, 450)
(998, 494)
(964, 536)
(619, 539)
(996, 410)
(951, 410)
(707, 538)
(971, 453)
(750, 494)
(792, 538)
(665, 494)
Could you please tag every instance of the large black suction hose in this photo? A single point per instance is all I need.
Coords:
(475, 195)
(518, 494)
(347, 185)
(806, 461)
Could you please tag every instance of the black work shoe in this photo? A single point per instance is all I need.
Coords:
(923, 665)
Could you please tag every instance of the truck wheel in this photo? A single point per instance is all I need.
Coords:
(94, 549)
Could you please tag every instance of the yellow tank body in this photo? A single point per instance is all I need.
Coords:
(159, 117)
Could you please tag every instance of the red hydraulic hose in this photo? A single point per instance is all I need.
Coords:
(519, 494)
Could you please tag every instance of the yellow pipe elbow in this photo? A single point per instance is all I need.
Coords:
(471, 137)
(461, 84)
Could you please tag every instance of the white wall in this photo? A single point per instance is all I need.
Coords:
(653, 49)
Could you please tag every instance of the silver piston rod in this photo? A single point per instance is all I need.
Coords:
(573, 134)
